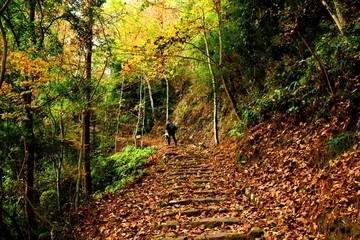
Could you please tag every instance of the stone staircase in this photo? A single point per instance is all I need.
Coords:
(197, 208)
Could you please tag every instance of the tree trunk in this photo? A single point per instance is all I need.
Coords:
(217, 4)
(30, 164)
(119, 114)
(59, 165)
(84, 156)
(139, 115)
(167, 98)
(87, 107)
(150, 96)
(4, 54)
(215, 117)
(338, 17)
(86, 149)
(320, 65)
(30, 139)
(143, 118)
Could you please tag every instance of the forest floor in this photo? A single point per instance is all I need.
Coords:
(269, 185)
(187, 194)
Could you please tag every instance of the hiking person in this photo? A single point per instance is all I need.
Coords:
(171, 130)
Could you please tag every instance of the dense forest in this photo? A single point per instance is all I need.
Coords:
(84, 82)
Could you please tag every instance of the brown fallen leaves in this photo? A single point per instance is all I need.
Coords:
(300, 192)
(286, 187)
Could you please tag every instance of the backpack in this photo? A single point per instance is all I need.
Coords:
(172, 127)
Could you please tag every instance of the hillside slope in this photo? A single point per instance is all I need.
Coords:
(283, 179)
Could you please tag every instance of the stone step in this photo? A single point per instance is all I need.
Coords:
(202, 176)
(196, 212)
(206, 222)
(184, 165)
(179, 202)
(195, 187)
(213, 236)
(180, 187)
(176, 182)
(182, 173)
(222, 236)
(200, 181)
(209, 200)
(198, 171)
(194, 167)
(195, 200)
(176, 177)
(215, 222)
(171, 154)
(205, 192)
(169, 224)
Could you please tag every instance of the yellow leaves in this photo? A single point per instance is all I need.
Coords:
(20, 62)
(5, 88)
(7, 115)
(19, 117)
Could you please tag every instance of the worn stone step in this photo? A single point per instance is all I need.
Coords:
(171, 154)
(176, 182)
(209, 200)
(196, 200)
(186, 167)
(205, 192)
(183, 173)
(160, 170)
(176, 178)
(180, 187)
(200, 181)
(222, 236)
(169, 224)
(195, 187)
(196, 212)
(215, 222)
(180, 202)
(202, 176)
(206, 222)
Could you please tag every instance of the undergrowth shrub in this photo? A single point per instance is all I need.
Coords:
(339, 144)
(111, 173)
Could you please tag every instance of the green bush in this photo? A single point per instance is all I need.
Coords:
(339, 144)
(111, 173)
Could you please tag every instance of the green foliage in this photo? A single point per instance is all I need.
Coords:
(339, 144)
(111, 173)
(48, 201)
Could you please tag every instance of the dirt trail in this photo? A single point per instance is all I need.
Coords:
(187, 194)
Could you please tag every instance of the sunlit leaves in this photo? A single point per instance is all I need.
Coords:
(21, 63)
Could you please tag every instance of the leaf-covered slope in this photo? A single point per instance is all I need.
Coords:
(285, 179)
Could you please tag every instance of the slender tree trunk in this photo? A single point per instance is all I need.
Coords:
(59, 165)
(337, 17)
(167, 98)
(30, 151)
(4, 54)
(86, 114)
(319, 63)
(215, 117)
(84, 156)
(119, 113)
(139, 115)
(79, 176)
(143, 118)
(30, 164)
(150, 96)
(86, 149)
(217, 4)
